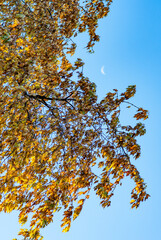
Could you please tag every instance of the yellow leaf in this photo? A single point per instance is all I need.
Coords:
(132, 201)
(15, 24)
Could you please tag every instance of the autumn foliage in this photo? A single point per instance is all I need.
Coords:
(53, 130)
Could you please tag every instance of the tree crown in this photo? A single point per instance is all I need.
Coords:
(53, 130)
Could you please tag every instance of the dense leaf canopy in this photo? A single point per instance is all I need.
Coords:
(54, 133)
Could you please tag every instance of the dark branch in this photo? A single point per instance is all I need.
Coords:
(49, 98)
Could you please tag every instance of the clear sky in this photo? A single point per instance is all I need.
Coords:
(130, 51)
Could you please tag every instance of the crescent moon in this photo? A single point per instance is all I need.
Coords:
(102, 70)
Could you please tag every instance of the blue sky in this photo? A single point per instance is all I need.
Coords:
(130, 51)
